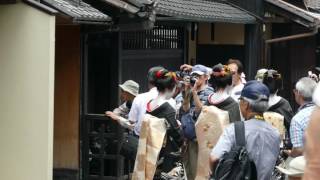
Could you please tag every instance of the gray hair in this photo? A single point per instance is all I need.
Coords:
(258, 106)
(305, 87)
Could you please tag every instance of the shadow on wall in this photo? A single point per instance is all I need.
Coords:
(65, 174)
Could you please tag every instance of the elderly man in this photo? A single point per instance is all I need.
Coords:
(139, 104)
(262, 140)
(303, 95)
(129, 90)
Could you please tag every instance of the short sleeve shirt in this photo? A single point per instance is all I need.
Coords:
(139, 107)
(299, 124)
(262, 144)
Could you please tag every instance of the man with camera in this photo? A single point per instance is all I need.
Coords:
(194, 94)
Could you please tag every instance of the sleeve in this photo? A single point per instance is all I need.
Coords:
(121, 110)
(126, 123)
(175, 131)
(225, 142)
(296, 134)
(288, 114)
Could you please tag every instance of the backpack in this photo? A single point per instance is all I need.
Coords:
(188, 126)
(236, 164)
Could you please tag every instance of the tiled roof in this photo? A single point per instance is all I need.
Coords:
(313, 19)
(79, 10)
(203, 10)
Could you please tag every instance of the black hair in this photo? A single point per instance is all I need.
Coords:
(164, 79)
(151, 77)
(273, 80)
(221, 76)
(238, 63)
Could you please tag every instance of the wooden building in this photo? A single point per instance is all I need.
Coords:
(94, 46)
(292, 40)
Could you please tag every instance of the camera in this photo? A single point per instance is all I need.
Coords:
(185, 76)
(182, 74)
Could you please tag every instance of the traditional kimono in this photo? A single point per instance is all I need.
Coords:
(159, 143)
(209, 127)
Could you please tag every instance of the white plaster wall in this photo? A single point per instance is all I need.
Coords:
(26, 92)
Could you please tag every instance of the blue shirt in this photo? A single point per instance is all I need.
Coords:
(299, 124)
(262, 144)
(203, 96)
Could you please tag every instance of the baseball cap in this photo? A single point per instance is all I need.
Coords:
(295, 168)
(199, 69)
(131, 87)
(255, 90)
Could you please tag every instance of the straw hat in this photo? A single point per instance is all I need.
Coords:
(131, 87)
(295, 168)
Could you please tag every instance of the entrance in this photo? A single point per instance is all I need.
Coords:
(110, 59)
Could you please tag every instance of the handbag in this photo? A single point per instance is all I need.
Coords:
(129, 147)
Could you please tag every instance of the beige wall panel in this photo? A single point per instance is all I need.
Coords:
(26, 94)
(67, 98)
(224, 33)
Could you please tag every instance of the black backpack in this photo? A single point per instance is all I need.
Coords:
(236, 164)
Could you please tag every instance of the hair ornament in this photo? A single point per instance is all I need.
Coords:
(159, 74)
(172, 75)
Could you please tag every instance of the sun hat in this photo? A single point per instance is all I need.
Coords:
(295, 168)
(131, 87)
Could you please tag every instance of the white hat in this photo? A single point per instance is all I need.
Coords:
(131, 87)
(295, 168)
(260, 74)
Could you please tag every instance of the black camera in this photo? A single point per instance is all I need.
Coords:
(182, 74)
(185, 76)
(193, 80)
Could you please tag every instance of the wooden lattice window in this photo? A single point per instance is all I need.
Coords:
(160, 37)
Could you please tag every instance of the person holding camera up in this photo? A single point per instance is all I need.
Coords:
(194, 94)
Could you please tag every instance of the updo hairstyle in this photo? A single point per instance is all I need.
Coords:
(221, 76)
(273, 80)
(164, 79)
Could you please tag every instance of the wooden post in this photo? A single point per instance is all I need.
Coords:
(253, 49)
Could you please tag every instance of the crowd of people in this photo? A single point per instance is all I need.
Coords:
(179, 98)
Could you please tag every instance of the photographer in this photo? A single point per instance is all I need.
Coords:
(194, 94)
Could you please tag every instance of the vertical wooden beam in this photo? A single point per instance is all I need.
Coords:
(253, 49)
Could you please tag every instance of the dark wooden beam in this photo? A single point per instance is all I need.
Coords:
(8, 2)
(253, 49)
(290, 16)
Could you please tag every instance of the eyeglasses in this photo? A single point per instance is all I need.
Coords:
(240, 99)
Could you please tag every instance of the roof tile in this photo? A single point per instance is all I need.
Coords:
(79, 10)
(203, 10)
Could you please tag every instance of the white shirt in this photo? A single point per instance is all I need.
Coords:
(139, 107)
(236, 91)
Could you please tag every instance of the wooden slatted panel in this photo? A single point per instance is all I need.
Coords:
(161, 37)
